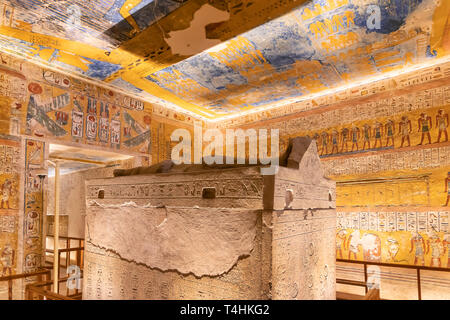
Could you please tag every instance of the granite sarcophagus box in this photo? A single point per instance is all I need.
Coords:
(198, 232)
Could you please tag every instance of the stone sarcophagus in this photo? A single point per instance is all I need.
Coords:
(196, 232)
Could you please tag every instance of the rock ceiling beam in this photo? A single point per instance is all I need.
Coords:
(194, 27)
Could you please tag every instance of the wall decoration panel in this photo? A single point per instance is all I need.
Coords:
(34, 209)
(405, 235)
(10, 177)
(49, 106)
(390, 156)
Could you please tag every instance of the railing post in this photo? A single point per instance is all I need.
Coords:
(419, 285)
(365, 277)
(82, 255)
(39, 280)
(29, 293)
(10, 289)
(48, 277)
(67, 253)
(67, 287)
(78, 258)
(56, 231)
(392, 265)
(57, 279)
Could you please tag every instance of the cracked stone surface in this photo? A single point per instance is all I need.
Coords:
(199, 241)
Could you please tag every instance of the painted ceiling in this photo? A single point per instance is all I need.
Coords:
(219, 57)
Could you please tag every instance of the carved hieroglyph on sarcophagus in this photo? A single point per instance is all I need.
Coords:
(199, 232)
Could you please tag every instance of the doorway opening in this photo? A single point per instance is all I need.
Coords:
(68, 169)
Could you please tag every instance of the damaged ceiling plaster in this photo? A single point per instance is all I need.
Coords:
(193, 40)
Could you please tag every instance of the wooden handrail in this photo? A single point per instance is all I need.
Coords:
(390, 265)
(352, 282)
(42, 289)
(78, 257)
(373, 294)
(394, 265)
(41, 292)
(66, 249)
(348, 296)
(65, 238)
(24, 275)
(10, 278)
(50, 282)
(71, 249)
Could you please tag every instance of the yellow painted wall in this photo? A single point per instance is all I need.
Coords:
(10, 177)
(38, 107)
(392, 197)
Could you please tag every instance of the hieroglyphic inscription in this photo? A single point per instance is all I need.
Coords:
(10, 177)
(388, 191)
(9, 159)
(8, 224)
(434, 157)
(110, 277)
(391, 221)
(225, 188)
(303, 254)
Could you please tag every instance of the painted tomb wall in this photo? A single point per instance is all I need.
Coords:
(39, 107)
(11, 176)
(386, 145)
